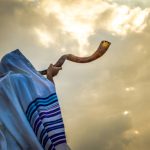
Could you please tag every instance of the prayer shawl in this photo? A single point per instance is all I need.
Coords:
(30, 115)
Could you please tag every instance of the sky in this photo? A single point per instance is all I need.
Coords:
(105, 103)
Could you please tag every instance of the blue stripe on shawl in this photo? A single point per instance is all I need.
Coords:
(44, 131)
(44, 114)
(55, 127)
(51, 147)
(45, 140)
(58, 138)
(60, 142)
(40, 102)
(39, 122)
(57, 134)
(36, 100)
(39, 114)
(40, 105)
(53, 122)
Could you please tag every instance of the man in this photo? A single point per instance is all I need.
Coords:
(30, 116)
(52, 71)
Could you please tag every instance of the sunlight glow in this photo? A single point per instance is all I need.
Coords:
(43, 37)
(125, 112)
(77, 20)
(63, 49)
(126, 19)
(81, 18)
(136, 132)
(129, 89)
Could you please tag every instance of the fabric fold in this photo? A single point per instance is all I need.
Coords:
(29, 107)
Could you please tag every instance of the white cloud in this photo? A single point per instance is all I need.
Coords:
(77, 20)
(44, 37)
(126, 19)
(80, 19)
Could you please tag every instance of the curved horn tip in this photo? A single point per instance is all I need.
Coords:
(105, 44)
(104, 41)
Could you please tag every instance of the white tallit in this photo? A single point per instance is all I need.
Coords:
(30, 116)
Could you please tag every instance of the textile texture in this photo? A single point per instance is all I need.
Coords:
(30, 115)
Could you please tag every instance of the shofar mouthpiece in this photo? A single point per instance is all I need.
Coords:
(104, 45)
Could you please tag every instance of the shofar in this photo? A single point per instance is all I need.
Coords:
(104, 45)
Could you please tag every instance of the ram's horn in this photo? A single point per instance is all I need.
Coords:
(104, 45)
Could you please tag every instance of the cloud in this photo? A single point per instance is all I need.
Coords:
(107, 133)
(105, 103)
(80, 19)
(131, 3)
(128, 20)
(44, 37)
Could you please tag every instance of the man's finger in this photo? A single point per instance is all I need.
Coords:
(58, 68)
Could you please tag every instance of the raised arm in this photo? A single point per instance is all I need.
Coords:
(52, 71)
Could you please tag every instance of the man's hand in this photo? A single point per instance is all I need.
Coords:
(52, 71)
